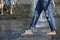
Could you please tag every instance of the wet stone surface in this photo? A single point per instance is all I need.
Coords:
(12, 29)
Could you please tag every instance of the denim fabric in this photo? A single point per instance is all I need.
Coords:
(11, 2)
(42, 5)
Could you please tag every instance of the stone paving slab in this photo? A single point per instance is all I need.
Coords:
(12, 30)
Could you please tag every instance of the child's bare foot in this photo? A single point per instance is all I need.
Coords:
(51, 33)
(28, 32)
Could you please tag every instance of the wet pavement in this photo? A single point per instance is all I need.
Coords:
(12, 29)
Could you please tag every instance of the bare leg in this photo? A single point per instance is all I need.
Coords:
(11, 9)
(2, 10)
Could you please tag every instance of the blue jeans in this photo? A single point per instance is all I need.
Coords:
(7, 2)
(42, 5)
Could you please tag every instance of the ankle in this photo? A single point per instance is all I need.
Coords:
(53, 30)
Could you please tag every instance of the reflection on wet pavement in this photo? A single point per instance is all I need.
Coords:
(12, 29)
